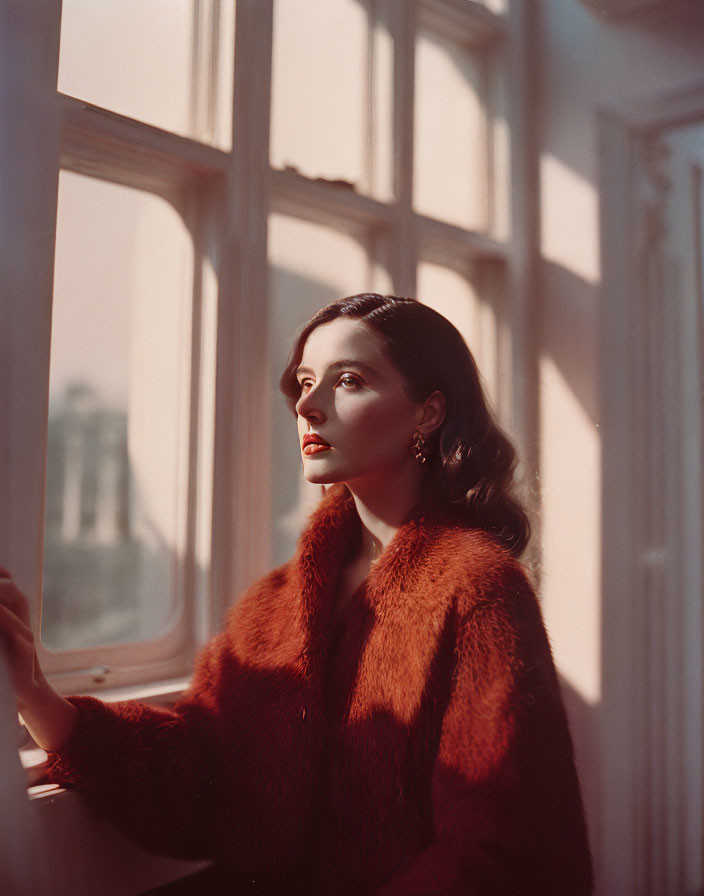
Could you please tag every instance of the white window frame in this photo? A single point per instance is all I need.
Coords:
(113, 148)
(230, 196)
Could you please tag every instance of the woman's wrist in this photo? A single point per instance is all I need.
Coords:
(49, 717)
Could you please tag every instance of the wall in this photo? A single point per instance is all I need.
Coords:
(586, 65)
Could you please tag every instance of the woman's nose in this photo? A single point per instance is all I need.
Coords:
(309, 406)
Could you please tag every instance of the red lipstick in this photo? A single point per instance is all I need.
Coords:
(312, 443)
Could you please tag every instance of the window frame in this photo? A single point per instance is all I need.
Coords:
(230, 196)
(110, 147)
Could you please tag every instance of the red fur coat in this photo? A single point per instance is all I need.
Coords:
(419, 747)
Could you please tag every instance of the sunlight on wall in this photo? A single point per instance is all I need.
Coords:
(569, 439)
(569, 230)
(570, 533)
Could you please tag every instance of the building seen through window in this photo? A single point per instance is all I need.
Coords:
(90, 556)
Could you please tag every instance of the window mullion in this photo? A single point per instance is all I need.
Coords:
(195, 215)
(240, 512)
(113, 147)
(520, 64)
(403, 251)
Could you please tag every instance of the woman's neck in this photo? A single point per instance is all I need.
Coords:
(383, 507)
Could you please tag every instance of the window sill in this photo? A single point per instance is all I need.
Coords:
(160, 693)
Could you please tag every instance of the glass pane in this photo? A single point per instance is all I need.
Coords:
(165, 62)
(118, 415)
(454, 296)
(331, 93)
(310, 265)
(450, 142)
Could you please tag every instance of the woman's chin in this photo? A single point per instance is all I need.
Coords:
(319, 476)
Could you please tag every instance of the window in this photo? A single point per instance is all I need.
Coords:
(145, 100)
(117, 459)
(225, 169)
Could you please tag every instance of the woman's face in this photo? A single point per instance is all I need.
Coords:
(355, 420)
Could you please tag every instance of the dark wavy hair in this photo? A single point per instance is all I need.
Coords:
(472, 461)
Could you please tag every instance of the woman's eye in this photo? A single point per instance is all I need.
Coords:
(305, 385)
(349, 381)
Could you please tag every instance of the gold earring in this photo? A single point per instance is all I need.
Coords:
(419, 448)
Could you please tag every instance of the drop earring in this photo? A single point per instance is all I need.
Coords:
(419, 449)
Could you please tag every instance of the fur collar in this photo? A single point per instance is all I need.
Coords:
(333, 533)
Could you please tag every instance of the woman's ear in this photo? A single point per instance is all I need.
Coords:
(433, 414)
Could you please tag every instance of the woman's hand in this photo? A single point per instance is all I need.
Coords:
(49, 718)
(18, 639)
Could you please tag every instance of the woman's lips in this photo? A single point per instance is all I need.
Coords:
(313, 444)
(314, 448)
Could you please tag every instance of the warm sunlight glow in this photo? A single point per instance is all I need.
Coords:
(569, 223)
(570, 533)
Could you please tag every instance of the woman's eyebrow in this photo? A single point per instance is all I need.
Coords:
(339, 365)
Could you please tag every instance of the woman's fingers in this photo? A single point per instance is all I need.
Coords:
(13, 625)
(19, 647)
(17, 637)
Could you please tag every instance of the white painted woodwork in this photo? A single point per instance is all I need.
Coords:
(28, 187)
(28, 181)
(243, 391)
(652, 750)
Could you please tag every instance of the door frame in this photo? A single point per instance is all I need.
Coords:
(652, 622)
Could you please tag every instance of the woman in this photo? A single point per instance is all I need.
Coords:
(381, 714)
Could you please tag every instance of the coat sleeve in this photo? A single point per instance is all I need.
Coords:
(507, 811)
(152, 771)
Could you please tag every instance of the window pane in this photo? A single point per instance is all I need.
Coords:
(454, 296)
(451, 172)
(310, 265)
(331, 93)
(118, 416)
(165, 62)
